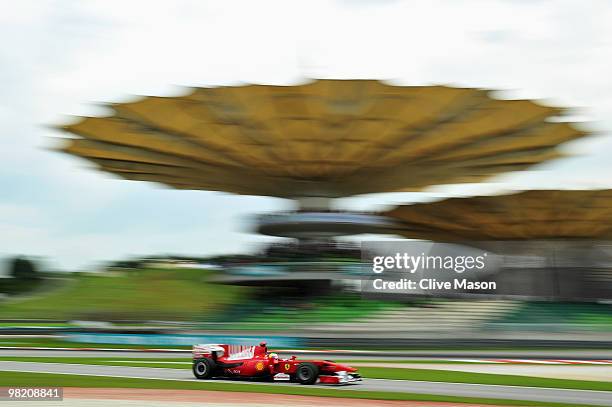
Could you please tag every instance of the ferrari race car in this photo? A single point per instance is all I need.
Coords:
(255, 362)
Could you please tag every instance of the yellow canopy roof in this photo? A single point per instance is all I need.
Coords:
(544, 214)
(328, 138)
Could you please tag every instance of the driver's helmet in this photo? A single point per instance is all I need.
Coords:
(272, 355)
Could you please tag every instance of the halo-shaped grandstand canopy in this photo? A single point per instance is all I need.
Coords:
(329, 138)
(540, 214)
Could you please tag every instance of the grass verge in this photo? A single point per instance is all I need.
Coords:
(59, 343)
(454, 376)
(19, 379)
(133, 294)
(431, 375)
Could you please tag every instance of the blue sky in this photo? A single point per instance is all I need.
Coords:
(60, 58)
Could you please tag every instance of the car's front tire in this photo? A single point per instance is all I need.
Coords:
(204, 368)
(307, 373)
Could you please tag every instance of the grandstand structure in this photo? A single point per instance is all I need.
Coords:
(316, 224)
(322, 140)
(318, 141)
(555, 243)
(520, 216)
(434, 316)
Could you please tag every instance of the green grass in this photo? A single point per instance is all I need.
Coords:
(561, 313)
(19, 379)
(173, 294)
(59, 343)
(15, 286)
(339, 308)
(34, 324)
(453, 361)
(449, 361)
(177, 363)
(432, 375)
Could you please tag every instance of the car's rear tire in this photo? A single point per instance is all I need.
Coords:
(307, 373)
(204, 368)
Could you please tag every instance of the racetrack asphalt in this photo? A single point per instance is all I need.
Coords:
(601, 398)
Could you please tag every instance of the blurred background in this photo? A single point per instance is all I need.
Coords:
(486, 128)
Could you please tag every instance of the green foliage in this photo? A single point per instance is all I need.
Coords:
(334, 308)
(23, 269)
(542, 313)
(141, 294)
(452, 376)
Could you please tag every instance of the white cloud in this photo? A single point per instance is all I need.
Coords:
(56, 57)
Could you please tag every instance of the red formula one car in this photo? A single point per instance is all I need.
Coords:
(236, 361)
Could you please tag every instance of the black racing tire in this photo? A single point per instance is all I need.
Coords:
(204, 368)
(307, 373)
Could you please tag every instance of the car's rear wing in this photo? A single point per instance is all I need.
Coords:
(231, 352)
(206, 350)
